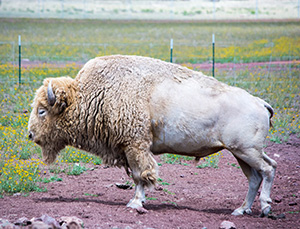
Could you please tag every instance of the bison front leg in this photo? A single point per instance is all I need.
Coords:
(139, 197)
(144, 172)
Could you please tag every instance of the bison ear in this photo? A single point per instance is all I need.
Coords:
(57, 94)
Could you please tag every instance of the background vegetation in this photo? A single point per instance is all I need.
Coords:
(80, 40)
(58, 41)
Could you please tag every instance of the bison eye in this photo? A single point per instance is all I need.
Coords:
(42, 112)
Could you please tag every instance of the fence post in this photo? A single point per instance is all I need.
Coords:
(213, 55)
(19, 60)
(171, 50)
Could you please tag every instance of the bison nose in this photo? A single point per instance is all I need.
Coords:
(30, 136)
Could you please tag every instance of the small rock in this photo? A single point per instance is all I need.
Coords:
(6, 224)
(128, 227)
(292, 203)
(273, 217)
(109, 185)
(23, 222)
(278, 199)
(276, 155)
(182, 176)
(158, 188)
(40, 225)
(46, 220)
(281, 216)
(227, 225)
(123, 186)
(141, 210)
(71, 222)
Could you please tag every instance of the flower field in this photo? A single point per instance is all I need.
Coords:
(51, 40)
(21, 168)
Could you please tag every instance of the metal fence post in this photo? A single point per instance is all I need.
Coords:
(19, 60)
(213, 55)
(171, 50)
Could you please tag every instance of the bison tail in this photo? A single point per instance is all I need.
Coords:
(271, 111)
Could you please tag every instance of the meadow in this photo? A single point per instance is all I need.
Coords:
(57, 40)
(68, 41)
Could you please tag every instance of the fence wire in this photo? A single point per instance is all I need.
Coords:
(229, 58)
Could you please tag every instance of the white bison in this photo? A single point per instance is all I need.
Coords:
(126, 109)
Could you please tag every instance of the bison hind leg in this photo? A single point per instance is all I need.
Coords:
(254, 180)
(257, 167)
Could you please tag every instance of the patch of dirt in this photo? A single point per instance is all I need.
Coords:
(187, 197)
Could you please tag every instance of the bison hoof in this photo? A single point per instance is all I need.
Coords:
(265, 211)
(241, 211)
(238, 211)
(248, 211)
(134, 204)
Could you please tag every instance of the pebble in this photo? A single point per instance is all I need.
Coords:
(278, 199)
(23, 222)
(292, 203)
(227, 225)
(123, 186)
(275, 217)
(6, 224)
(141, 210)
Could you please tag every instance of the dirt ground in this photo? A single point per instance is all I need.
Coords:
(187, 197)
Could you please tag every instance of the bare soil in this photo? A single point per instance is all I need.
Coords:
(187, 196)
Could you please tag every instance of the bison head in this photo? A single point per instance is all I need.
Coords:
(46, 122)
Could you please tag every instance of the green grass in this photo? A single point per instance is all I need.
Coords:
(93, 195)
(175, 159)
(161, 182)
(51, 40)
(20, 160)
(76, 169)
(211, 161)
(51, 179)
(168, 192)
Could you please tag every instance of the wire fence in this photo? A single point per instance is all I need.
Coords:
(228, 59)
(58, 52)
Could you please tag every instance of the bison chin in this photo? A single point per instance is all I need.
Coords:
(49, 156)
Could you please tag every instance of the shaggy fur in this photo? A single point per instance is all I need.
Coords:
(125, 108)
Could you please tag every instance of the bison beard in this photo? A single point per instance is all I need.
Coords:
(126, 109)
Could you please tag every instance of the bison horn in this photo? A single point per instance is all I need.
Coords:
(51, 95)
